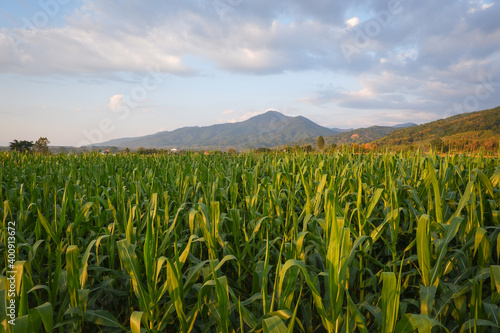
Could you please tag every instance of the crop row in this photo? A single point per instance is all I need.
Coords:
(251, 242)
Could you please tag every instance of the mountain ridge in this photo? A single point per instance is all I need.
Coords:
(358, 135)
(274, 129)
(264, 130)
(464, 131)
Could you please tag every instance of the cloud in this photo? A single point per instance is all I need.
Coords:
(426, 54)
(110, 37)
(428, 95)
(485, 6)
(260, 37)
(71, 50)
(227, 112)
(352, 22)
(115, 102)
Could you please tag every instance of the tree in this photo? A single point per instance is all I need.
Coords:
(365, 147)
(21, 146)
(321, 143)
(437, 143)
(42, 146)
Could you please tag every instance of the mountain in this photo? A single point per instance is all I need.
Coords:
(359, 135)
(466, 131)
(266, 130)
(404, 125)
(341, 130)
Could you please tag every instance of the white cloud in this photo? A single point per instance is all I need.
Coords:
(486, 5)
(416, 51)
(96, 40)
(115, 102)
(352, 22)
(77, 50)
(248, 115)
(227, 112)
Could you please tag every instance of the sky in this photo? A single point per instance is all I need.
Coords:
(81, 72)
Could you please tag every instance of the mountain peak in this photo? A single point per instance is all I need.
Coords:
(269, 129)
(404, 125)
(272, 113)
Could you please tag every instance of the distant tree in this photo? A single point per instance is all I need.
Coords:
(366, 147)
(437, 143)
(42, 146)
(231, 151)
(333, 146)
(308, 148)
(127, 150)
(21, 146)
(321, 143)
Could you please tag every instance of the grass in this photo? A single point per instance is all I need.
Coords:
(252, 243)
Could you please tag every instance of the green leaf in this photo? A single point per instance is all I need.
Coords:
(451, 231)
(495, 278)
(19, 269)
(135, 321)
(222, 292)
(85, 264)
(431, 180)
(126, 251)
(390, 301)
(72, 274)
(427, 295)
(274, 324)
(101, 317)
(48, 227)
(294, 315)
(175, 289)
(424, 249)
(21, 324)
(359, 319)
(412, 322)
(373, 202)
(46, 313)
(469, 324)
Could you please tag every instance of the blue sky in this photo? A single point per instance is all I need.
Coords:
(81, 72)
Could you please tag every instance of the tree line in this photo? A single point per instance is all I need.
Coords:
(24, 146)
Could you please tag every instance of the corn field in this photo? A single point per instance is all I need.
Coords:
(251, 243)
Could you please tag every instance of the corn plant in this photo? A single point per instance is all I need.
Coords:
(277, 242)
